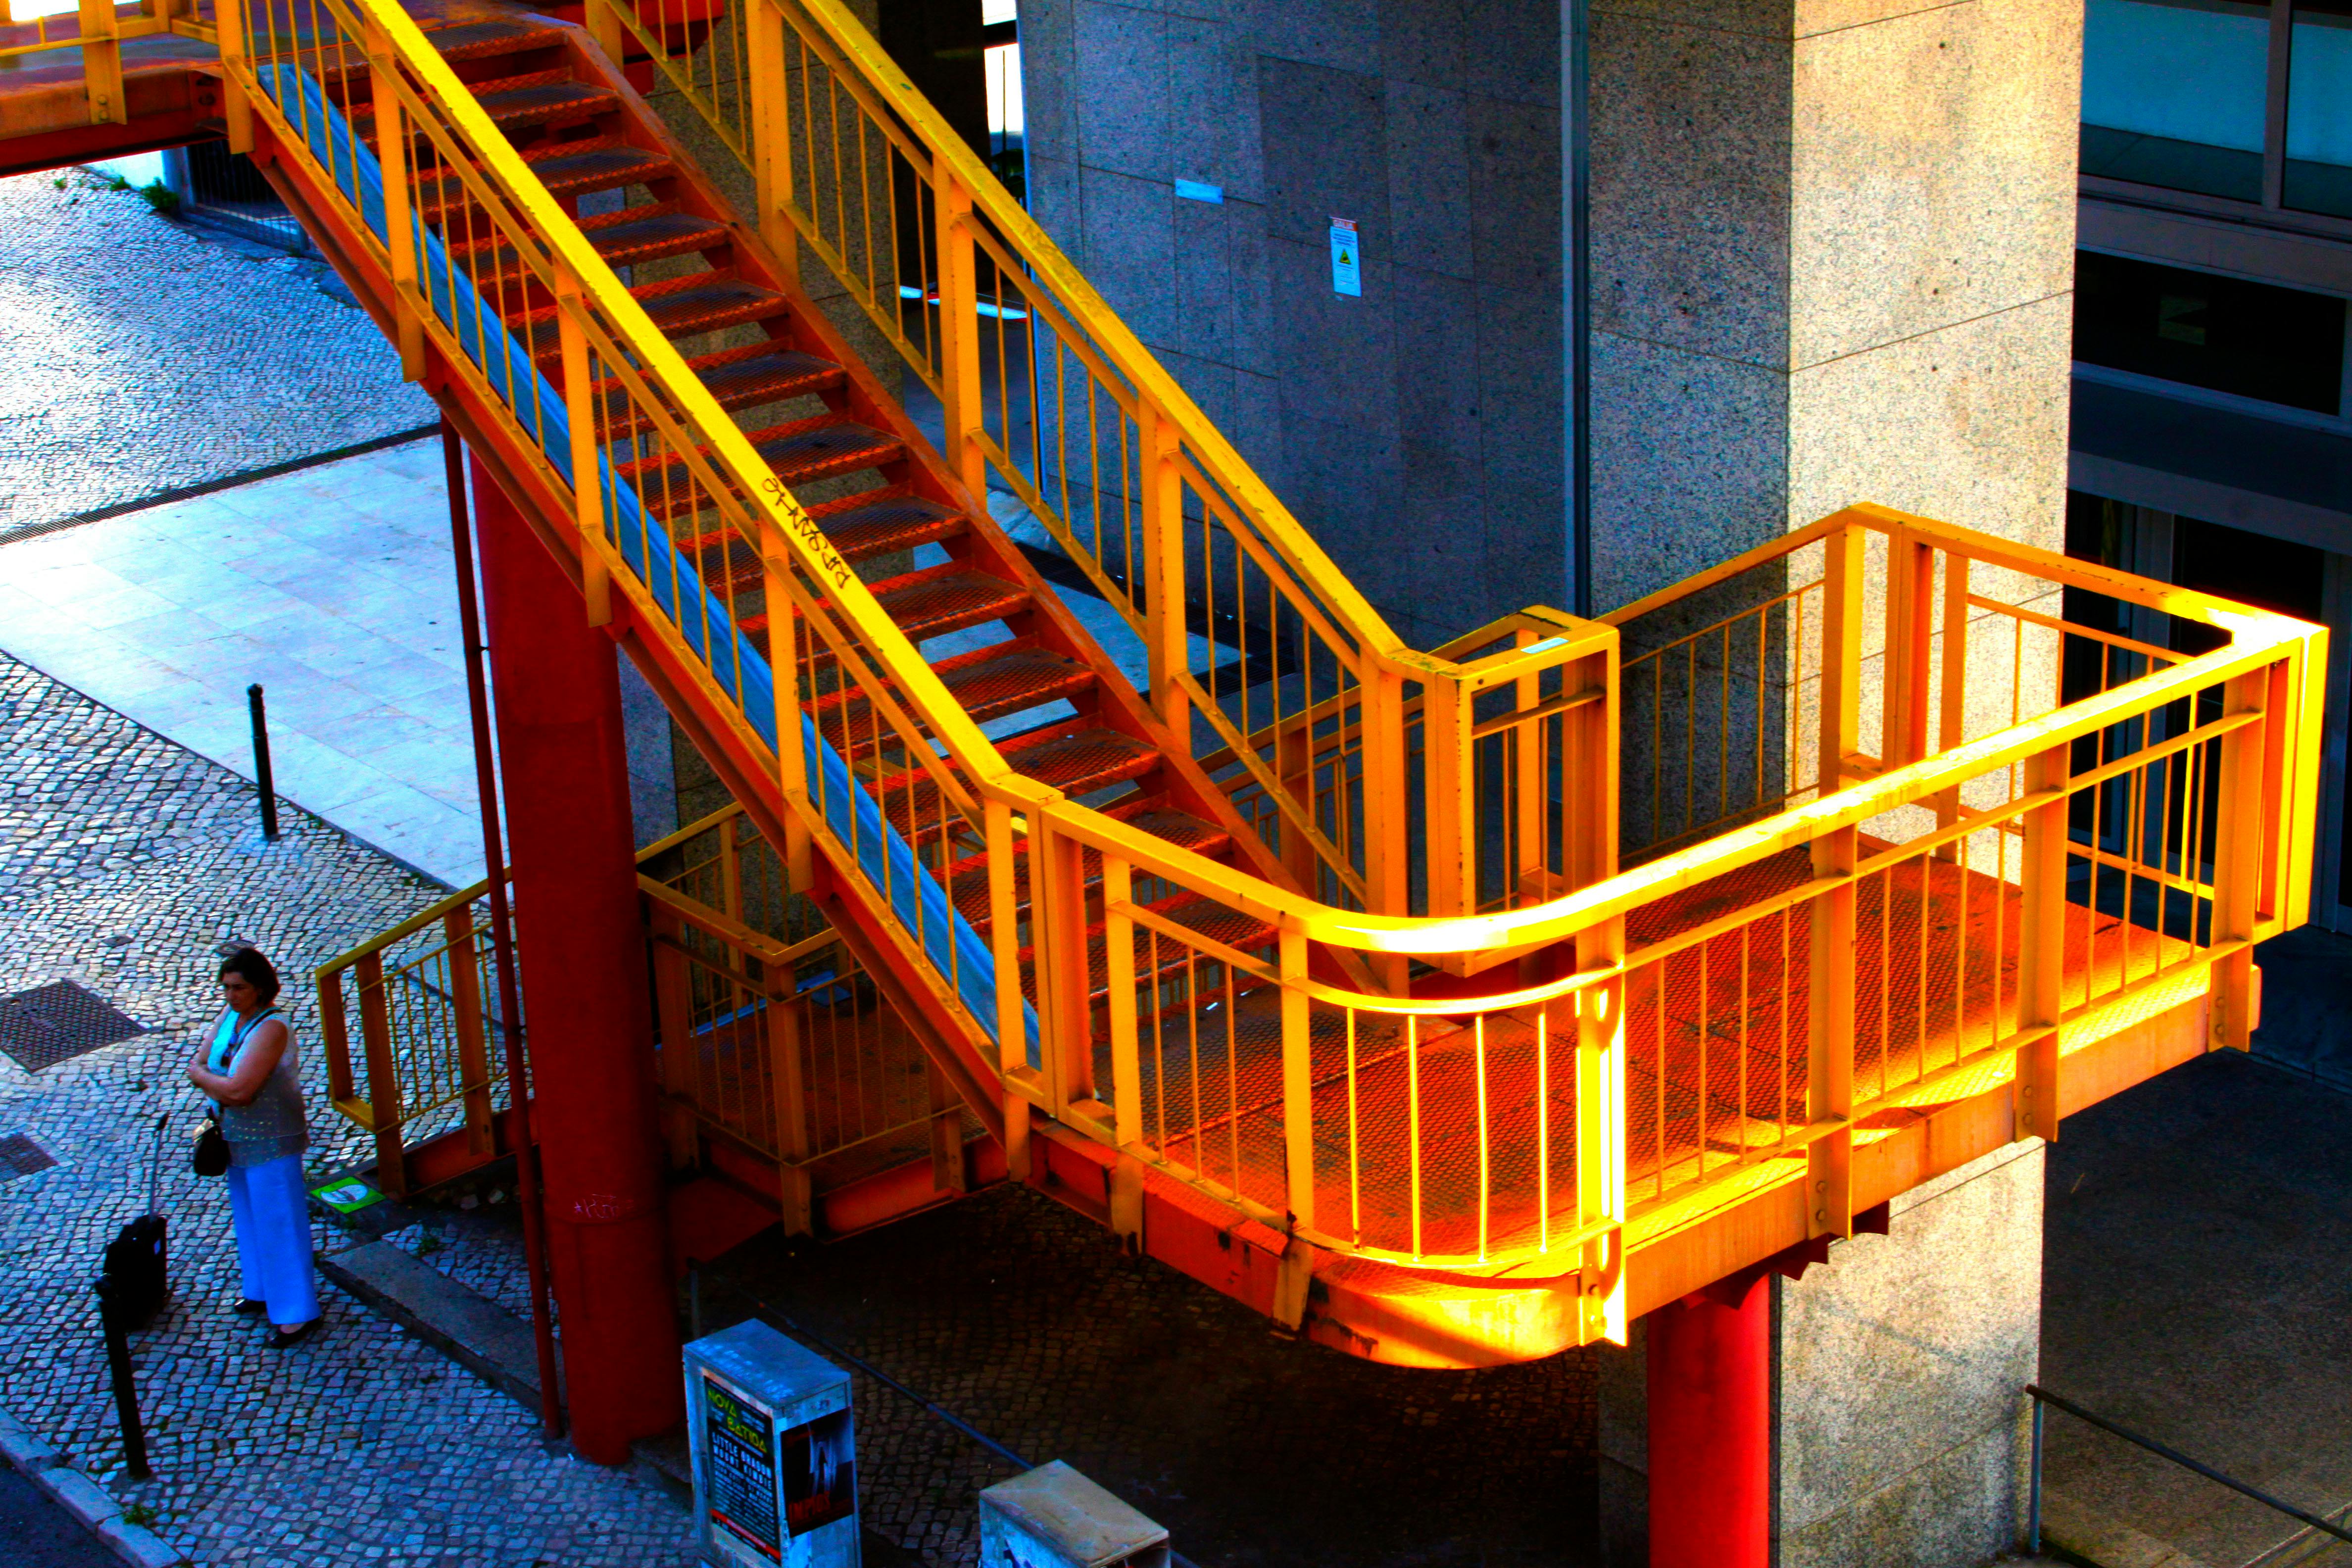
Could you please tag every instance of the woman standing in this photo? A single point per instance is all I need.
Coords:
(248, 1067)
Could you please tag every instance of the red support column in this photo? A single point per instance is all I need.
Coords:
(562, 755)
(1710, 1369)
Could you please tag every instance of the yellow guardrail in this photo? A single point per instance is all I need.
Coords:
(1250, 628)
(1588, 1053)
(99, 28)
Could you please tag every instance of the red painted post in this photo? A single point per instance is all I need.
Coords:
(1711, 1433)
(560, 753)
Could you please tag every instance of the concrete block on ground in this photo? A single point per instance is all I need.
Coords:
(83, 1498)
(460, 1321)
(143, 1547)
(24, 1451)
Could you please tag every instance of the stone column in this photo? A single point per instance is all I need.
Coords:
(1832, 262)
(1898, 1416)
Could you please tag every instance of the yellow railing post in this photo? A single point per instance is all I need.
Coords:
(783, 666)
(466, 1014)
(1297, 1078)
(1903, 709)
(1058, 924)
(1005, 943)
(673, 978)
(959, 331)
(334, 1034)
(1842, 573)
(1387, 873)
(2042, 946)
(384, 1076)
(1599, 1043)
(1951, 727)
(587, 477)
(1126, 1067)
(1450, 821)
(948, 1172)
(236, 73)
(102, 64)
(771, 118)
(1829, 1083)
(1167, 634)
(399, 220)
(2240, 812)
(1524, 765)
(605, 27)
(788, 1082)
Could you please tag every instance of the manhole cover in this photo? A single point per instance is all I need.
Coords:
(52, 1023)
(20, 1156)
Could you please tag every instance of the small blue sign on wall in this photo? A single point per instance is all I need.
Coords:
(1347, 259)
(775, 1468)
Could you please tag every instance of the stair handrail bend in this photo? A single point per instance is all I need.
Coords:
(2267, 731)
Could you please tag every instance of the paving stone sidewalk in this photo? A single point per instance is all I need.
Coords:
(146, 357)
(124, 862)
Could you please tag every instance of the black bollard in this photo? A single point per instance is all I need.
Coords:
(110, 1318)
(261, 775)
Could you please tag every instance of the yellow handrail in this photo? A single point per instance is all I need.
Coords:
(1458, 1124)
(1139, 489)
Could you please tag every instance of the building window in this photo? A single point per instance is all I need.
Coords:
(2173, 94)
(2250, 340)
(2319, 109)
(2182, 95)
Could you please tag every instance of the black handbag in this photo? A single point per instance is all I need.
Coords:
(211, 1157)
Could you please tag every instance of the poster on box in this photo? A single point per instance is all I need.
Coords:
(740, 1475)
(820, 1476)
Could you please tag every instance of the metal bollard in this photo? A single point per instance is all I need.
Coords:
(126, 1392)
(261, 773)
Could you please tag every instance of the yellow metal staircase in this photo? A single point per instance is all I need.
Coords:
(1310, 966)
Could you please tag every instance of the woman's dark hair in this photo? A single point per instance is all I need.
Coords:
(256, 970)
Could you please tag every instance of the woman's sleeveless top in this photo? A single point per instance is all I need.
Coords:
(274, 1125)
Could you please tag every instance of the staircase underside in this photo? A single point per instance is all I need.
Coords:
(1708, 1098)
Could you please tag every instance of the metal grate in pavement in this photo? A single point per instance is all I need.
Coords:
(20, 1156)
(56, 1022)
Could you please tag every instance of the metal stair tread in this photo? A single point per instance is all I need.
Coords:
(1078, 757)
(649, 233)
(986, 683)
(516, 100)
(798, 453)
(947, 598)
(484, 40)
(564, 168)
(866, 525)
(678, 307)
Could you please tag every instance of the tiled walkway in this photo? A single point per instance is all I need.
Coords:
(330, 587)
(124, 863)
(145, 357)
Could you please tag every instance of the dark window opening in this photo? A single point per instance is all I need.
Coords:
(2252, 340)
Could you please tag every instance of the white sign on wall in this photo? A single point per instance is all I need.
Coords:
(1347, 259)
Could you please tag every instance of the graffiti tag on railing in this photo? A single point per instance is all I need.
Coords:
(802, 524)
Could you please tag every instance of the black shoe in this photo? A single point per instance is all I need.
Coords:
(248, 1308)
(287, 1339)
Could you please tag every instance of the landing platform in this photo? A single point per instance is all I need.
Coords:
(171, 85)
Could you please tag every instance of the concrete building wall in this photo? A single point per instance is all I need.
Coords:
(1833, 261)
(1414, 431)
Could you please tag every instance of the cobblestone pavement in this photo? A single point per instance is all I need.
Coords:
(144, 356)
(1024, 1320)
(123, 863)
